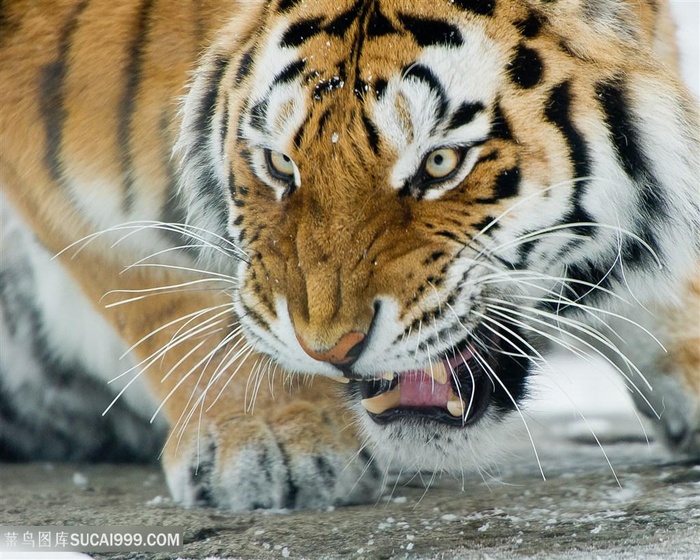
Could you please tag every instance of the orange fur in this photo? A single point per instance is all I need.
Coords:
(312, 249)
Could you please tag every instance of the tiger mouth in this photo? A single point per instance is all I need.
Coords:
(457, 392)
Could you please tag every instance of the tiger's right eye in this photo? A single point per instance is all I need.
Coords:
(280, 165)
(442, 163)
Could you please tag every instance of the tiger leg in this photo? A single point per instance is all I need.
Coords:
(59, 361)
(241, 438)
(667, 375)
(237, 439)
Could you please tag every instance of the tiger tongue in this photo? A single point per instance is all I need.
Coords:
(419, 389)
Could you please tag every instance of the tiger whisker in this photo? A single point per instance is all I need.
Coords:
(202, 364)
(147, 362)
(545, 232)
(160, 290)
(135, 227)
(578, 326)
(355, 457)
(225, 278)
(492, 374)
(564, 344)
(252, 386)
(590, 310)
(191, 333)
(520, 277)
(189, 410)
(520, 202)
(544, 362)
(241, 354)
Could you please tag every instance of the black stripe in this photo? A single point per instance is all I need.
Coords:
(464, 114)
(525, 68)
(530, 27)
(291, 72)
(448, 234)
(558, 112)
(326, 86)
(486, 222)
(127, 105)
(340, 25)
(372, 133)
(628, 149)
(379, 88)
(480, 7)
(424, 74)
(207, 107)
(493, 155)
(300, 32)
(51, 95)
(506, 185)
(322, 121)
(254, 317)
(209, 186)
(245, 64)
(300, 133)
(590, 272)
(500, 128)
(258, 115)
(430, 32)
(360, 88)
(292, 494)
(378, 24)
(223, 133)
(232, 187)
(201, 474)
(513, 371)
(285, 5)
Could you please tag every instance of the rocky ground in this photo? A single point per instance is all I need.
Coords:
(581, 511)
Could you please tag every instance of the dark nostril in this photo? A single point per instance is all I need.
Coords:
(354, 353)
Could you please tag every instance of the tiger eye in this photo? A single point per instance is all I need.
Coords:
(441, 162)
(280, 165)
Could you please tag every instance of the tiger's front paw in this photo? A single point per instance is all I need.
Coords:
(675, 415)
(297, 458)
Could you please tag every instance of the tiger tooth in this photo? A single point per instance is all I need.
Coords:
(388, 376)
(438, 373)
(383, 402)
(455, 407)
(339, 379)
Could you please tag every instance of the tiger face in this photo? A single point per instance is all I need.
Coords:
(423, 194)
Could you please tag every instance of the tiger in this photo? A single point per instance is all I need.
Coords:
(287, 247)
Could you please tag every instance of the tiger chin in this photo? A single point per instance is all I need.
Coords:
(213, 212)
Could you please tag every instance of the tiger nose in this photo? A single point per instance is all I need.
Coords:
(345, 352)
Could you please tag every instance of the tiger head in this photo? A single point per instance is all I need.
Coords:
(422, 191)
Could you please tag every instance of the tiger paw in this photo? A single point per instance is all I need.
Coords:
(299, 458)
(675, 415)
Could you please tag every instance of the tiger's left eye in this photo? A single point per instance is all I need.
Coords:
(441, 163)
(280, 165)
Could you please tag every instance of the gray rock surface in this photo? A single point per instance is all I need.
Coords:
(581, 511)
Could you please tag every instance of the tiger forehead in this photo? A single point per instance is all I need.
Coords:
(359, 40)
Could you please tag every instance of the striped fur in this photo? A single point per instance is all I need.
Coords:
(135, 143)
